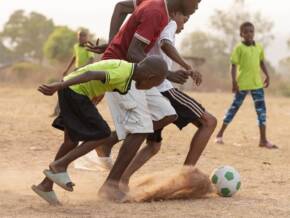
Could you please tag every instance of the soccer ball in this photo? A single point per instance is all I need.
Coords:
(226, 180)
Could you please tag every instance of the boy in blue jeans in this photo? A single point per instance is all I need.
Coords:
(247, 60)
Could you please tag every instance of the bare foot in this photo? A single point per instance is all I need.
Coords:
(268, 145)
(219, 140)
(110, 191)
(124, 186)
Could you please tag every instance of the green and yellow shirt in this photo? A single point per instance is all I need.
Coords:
(118, 78)
(248, 59)
(82, 55)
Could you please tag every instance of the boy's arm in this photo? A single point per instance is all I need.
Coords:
(121, 10)
(50, 89)
(173, 54)
(69, 66)
(265, 70)
(235, 87)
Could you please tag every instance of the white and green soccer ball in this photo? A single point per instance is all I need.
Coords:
(226, 180)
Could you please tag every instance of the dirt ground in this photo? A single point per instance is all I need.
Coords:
(28, 143)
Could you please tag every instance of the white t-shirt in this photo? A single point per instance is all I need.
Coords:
(168, 33)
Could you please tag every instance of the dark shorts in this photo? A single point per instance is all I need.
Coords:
(79, 116)
(187, 109)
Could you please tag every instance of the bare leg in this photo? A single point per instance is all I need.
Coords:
(145, 153)
(130, 146)
(221, 132)
(46, 184)
(263, 139)
(201, 138)
(105, 150)
(62, 163)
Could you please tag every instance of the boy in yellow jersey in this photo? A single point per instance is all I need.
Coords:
(80, 119)
(81, 56)
(247, 61)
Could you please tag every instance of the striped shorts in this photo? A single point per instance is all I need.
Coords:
(187, 109)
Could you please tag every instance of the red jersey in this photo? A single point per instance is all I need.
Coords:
(146, 23)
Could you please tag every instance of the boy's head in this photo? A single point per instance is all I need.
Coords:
(180, 20)
(150, 72)
(82, 37)
(188, 7)
(247, 31)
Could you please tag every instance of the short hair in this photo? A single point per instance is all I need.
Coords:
(246, 24)
(82, 32)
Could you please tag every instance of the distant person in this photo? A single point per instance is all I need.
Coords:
(247, 61)
(81, 57)
(80, 120)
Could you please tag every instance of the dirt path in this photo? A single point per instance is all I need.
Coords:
(28, 143)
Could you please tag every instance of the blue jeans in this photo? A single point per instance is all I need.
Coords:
(259, 100)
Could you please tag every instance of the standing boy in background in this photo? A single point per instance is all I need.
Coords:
(247, 61)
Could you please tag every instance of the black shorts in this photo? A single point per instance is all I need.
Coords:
(79, 116)
(187, 109)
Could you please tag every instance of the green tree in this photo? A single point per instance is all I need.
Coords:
(25, 34)
(59, 46)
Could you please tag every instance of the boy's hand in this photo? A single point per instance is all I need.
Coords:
(235, 87)
(267, 82)
(196, 76)
(50, 89)
(99, 49)
(179, 76)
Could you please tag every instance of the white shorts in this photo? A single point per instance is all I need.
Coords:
(134, 112)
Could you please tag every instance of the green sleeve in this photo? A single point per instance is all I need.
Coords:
(235, 57)
(91, 54)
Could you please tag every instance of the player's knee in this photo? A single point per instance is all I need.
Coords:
(209, 121)
(171, 118)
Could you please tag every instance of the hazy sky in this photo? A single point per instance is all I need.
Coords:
(96, 15)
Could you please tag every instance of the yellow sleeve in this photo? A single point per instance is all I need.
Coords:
(91, 54)
(235, 57)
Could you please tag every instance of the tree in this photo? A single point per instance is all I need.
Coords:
(226, 24)
(284, 64)
(207, 46)
(25, 35)
(59, 45)
(217, 44)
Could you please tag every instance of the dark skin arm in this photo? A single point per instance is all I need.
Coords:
(50, 89)
(265, 70)
(136, 53)
(121, 10)
(172, 52)
(73, 59)
(235, 87)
